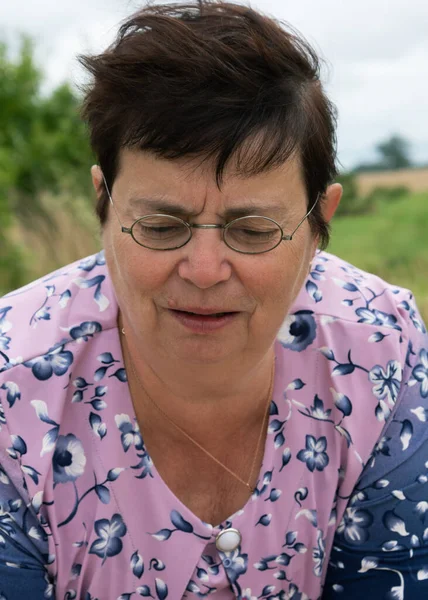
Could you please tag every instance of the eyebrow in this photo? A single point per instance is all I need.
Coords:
(153, 205)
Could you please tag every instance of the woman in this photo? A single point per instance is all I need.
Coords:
(212, 407)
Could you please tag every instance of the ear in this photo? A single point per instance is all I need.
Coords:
(97, 179)
(331, 201)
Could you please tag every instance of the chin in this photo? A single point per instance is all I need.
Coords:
(203, 351)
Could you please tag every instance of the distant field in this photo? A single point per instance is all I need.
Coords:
(416, 180)
(392, 243)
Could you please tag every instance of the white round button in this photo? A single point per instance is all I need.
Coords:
(228, 540)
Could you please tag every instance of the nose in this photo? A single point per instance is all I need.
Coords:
(204, 262)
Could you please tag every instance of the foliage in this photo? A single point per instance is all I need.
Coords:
(394, 153)
(43, 146)
(352, 203)
(386, 194)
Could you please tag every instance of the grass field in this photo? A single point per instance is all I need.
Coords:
(391, 242)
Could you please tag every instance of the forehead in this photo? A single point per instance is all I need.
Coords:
(143, 175)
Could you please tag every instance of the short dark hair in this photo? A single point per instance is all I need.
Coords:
(202, 80)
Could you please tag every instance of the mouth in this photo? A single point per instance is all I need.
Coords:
(214, 315)
(204, 321)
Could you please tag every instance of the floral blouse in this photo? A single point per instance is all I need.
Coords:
(341, 505)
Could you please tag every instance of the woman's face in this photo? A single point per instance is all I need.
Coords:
(156, 290)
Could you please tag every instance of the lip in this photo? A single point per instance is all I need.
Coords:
(203, 323)
(204, 311)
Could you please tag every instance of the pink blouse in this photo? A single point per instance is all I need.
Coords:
(85, 499)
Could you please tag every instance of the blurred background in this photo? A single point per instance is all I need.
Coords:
(376, 72)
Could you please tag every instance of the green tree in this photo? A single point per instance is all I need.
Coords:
(18, 84)
(43, 148)
(394, 153)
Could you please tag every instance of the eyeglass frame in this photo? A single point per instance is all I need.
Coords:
(190, 226)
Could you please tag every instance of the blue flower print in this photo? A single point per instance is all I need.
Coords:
(314, 454)
(318, 554)
(4, 341)
(354, 526)
(5, 325)
(417, 321)
(43, 314)
(2, 419)
(293, 593)
(180, 524)
(64, 299)
(55, 362)
(89, 263)
(312, 288)
(298, 331)
(317, 411)
(420, 372)
(377, 317)
(414, 317)
(108, 543)
(235, 565)
(130, 433)
(13, 392)
(97, 282)
(145, 464)
(7, 525)
(69, 459)
(387, 382)
(85, 330)
(382, 447)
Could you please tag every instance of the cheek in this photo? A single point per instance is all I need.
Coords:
(281, 281)
(146, 275)
(270, 283)
(135, 271)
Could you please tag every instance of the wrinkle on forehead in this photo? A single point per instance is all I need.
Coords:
(243, 164)
(192, 185)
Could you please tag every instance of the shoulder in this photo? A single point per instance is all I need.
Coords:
(70, 304)
(358, 302)
(59, 355)
(357, 340)
(387, 509)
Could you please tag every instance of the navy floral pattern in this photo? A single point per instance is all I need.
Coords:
(420, 373)
(298, 330)
(314, 454)
(68, 461)
(355, 525)
(55, 362)
(340, 508)
(109, 534)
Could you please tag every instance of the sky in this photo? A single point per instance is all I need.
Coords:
(376, 53)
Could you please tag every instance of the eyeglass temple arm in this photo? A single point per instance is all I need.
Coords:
(124, 229)
(290, 237)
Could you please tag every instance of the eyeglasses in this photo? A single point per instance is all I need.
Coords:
(248, 235)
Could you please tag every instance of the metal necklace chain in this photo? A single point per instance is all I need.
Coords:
(183, 432)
